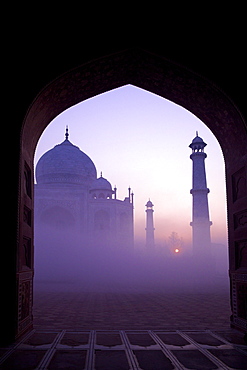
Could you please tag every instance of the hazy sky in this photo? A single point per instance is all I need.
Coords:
(139, 139)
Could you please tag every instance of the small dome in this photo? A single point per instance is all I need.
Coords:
(65, 163)
(149, 204)
(101, 184)
(197, 139)
(197, 143)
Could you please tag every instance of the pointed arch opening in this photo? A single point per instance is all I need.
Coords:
(164, 78)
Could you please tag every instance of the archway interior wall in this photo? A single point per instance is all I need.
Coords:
(158, 76)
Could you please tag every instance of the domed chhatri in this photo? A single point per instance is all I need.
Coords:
(101, 184)
(197, 144)
(197, 139)
(65, 163)
(101, 189)
(149, 204)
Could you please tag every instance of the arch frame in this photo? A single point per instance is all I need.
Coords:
(169, 80)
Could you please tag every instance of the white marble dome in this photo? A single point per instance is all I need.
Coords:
(65, 163)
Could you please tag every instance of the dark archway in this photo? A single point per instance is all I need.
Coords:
(164, 78)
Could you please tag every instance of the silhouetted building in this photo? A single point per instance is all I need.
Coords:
(200, 213)
(71, 199)
(149, 225)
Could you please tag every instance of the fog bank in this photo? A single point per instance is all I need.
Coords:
(62, 262)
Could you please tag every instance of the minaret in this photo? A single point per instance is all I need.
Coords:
(149, 226)
(200, 213)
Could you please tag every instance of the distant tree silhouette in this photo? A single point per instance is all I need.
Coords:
(174, 241)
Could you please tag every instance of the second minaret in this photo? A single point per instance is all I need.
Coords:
(200, 212)
(149, 225)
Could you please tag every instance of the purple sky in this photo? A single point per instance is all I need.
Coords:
(141, 140)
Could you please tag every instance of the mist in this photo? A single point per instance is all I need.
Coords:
(63, 262)
(90, 233)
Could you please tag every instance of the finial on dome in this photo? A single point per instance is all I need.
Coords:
(196, 133)
(67, 133)
(101, 174)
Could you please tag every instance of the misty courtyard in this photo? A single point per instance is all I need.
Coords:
(89, 275)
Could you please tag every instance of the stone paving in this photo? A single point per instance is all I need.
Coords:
(136, 330)
(123, 310)
(127, 350)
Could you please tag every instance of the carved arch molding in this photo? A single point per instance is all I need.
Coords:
(173, 82)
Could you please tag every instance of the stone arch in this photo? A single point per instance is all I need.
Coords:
(57, 217)
(101, 221)
(164, 78)
(124, 221)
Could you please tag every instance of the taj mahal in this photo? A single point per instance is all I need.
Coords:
(82, 227)
(71, 199)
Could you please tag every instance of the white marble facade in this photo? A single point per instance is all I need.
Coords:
(71, 200)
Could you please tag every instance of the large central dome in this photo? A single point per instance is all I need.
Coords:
(65, 163)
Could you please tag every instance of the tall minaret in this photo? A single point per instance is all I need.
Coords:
(200, 214)
(149, 225)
